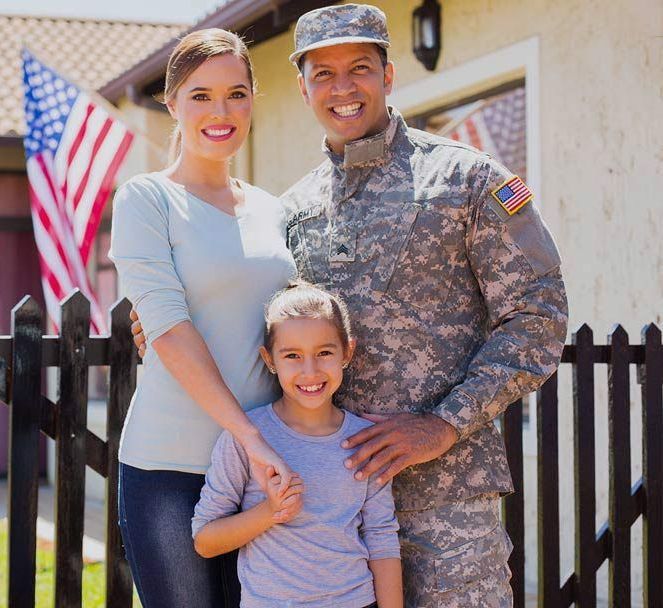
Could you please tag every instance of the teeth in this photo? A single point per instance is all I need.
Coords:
(347, 110)
(217, 132)
(312, 388)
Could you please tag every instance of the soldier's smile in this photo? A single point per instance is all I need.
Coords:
(348, 111)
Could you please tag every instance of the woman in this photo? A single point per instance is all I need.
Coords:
(198, 254)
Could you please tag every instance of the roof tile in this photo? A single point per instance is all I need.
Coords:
(89, 52)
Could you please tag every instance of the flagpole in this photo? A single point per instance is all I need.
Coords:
(115, 112)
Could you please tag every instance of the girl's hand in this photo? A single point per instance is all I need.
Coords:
(261, 457)
(284, 508)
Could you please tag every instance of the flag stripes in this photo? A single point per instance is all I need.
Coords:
(74, 149)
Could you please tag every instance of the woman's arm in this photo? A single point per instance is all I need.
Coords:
(142, 253)
(388, 582)
(185, 355)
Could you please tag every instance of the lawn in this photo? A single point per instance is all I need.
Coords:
(94, 577)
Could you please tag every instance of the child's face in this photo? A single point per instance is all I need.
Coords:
(308, 356)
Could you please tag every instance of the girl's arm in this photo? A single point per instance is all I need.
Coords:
(388, 582)
(379, 531)
(234, 531)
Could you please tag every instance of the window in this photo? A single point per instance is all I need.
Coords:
(494, 123)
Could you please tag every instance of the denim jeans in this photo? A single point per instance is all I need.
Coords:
(155, 509)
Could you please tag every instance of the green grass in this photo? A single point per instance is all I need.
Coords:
(94, 578)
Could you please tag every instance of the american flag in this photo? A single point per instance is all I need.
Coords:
(512, 194)
(496, 125)
(73, 150)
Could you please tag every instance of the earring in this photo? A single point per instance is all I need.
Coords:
(345, 365)
(272, 370)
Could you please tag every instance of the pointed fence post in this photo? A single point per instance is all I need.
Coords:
(26, 325)
(584, 468)
(513, 506)
(123, 361)
(619, 455)
(548, 494)
(651, 378)
(71, 430)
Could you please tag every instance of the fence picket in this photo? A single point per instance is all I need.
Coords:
(548, 494)
(652, 467)
(71, 431)
(514, 504)
(23, 468)
(619, 425)
(123, 360)
(584, 468)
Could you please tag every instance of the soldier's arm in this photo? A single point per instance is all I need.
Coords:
(516, 264)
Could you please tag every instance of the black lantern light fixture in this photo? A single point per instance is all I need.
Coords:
(427, 33)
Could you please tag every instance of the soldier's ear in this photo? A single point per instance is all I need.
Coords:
(389, 73)
(302, 88)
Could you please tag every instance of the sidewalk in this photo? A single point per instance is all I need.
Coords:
(94, 525)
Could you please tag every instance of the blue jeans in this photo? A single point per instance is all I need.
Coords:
(155, 509)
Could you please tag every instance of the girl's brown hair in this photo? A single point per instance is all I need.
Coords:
(190, 53)
(301, 300)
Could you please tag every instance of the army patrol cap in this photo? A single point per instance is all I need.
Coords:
(339, 24)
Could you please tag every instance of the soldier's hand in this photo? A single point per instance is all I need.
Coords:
(137, 332)
(396, 442)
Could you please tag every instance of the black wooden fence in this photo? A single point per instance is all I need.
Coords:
(26, 352)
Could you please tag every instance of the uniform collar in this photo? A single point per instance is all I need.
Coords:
(371, 150)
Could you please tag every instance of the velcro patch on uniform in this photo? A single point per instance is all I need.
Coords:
(304, 214)
(513, 194)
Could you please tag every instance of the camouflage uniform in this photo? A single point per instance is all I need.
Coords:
(458, 308)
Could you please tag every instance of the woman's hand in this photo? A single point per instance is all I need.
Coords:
(137, 332)
(284, 508)
(261, 458)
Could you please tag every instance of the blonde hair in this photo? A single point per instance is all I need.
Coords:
(189, 54)
(301, 300)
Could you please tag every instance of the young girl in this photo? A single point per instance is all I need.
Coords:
(338, 546)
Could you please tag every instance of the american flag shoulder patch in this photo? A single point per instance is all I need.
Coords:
(513, 194)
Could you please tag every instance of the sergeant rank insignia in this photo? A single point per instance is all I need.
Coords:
(342, 248)
(512, 195)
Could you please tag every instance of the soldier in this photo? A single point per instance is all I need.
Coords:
(456, 296)
(457, 300)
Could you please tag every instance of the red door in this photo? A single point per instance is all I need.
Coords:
(19, 272)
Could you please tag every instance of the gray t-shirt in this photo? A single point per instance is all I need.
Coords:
(180, 258)
(320, 557)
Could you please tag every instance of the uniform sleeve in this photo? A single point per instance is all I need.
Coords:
(225, 481)
(517, 266)
(379, 527)
(141, 252)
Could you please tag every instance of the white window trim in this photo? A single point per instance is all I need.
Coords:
(519, 60)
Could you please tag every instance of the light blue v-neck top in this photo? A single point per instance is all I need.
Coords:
(180, 258)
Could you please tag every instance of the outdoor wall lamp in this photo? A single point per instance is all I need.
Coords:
(427, 33)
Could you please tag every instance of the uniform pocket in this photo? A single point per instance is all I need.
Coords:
(307, 233)
(472, 561)
(430, 250)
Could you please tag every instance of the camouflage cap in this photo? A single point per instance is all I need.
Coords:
(339, 24)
